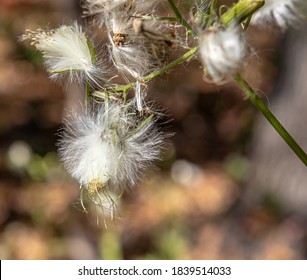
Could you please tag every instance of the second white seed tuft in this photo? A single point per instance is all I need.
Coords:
(222, 52)
(283, 13)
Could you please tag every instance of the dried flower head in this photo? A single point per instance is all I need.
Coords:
(67, 50)
(107, 148)
(222, 52)
(283, 13)
(135, 45)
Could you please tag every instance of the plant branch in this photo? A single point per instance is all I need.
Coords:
(186, 56)
(125, 88)
(179, 16)
(250, 93)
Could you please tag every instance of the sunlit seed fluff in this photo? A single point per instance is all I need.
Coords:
(131, 59)
(283, 13)
(98, 9)
(101, 9)
(92, 7)
(222, 52)
(131, 52)
(140, 48)
(66, 50)
(139, 96)
(109, 148)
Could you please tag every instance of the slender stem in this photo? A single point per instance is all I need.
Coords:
(250, 93)
(186, 56)
(171, 19)
(87, 92)
(213, 7)
(124, 88)
(179, 16)
(246, 24)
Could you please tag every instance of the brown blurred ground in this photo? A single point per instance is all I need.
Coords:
(190, 209)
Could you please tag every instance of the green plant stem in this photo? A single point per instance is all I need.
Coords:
(171, 19)
(125, 88)
(250, 93)
(246, 24)
(179, 16)
(241, 11)
(87, 92)
(186, 56)
(213, 7)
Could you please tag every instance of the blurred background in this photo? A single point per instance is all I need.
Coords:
(228, 186)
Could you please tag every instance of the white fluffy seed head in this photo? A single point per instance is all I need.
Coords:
(140, 48)
(133, 53)
(222, 52)
(107, 149)
(66, 50)
(283, 13)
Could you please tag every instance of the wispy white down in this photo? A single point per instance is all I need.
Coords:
(131, 58)
(101, 9)
(133, 54)
(66, 50)
(222, 52)
(283, 13)
(109, 147)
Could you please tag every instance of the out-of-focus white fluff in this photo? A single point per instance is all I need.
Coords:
(284, 13)
(222, 52)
